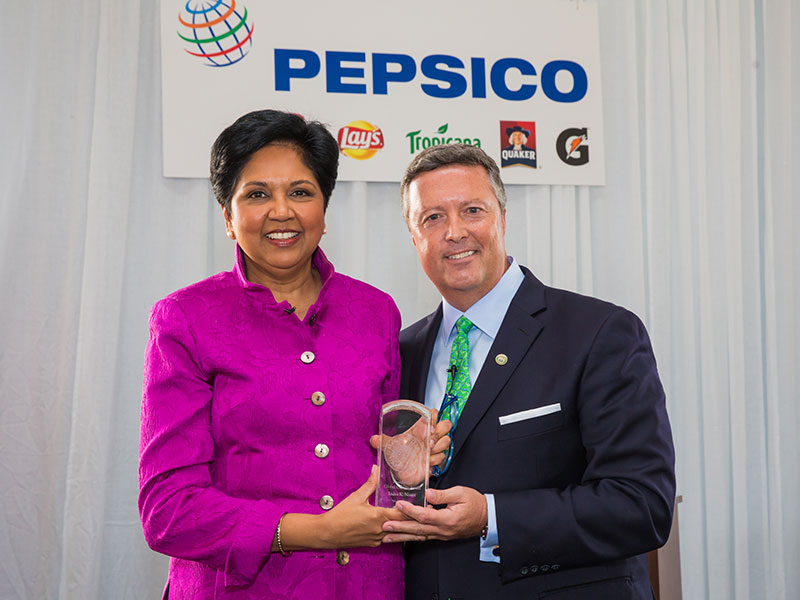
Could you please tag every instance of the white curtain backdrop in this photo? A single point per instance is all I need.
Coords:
(694, 231)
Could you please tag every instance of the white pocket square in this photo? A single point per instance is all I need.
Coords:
(530, 414)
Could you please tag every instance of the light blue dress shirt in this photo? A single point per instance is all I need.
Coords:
(486, 315)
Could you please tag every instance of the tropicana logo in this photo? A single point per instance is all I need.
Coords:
(417, 142)
(216, 31)
(360, 140)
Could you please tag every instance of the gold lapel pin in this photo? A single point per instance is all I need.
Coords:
(501, 359)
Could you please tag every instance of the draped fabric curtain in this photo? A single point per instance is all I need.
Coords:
(694, 231)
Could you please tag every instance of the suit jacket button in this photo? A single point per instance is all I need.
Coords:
(326, 502)
(343, 557)
(555, 567)
(544, 568)
(318, 398)
(307, 357)
(321, 450)
(523, 571)
(534, 569)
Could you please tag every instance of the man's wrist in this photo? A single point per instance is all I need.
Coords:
(489, 544)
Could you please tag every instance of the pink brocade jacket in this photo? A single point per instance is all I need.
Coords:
(249, 413)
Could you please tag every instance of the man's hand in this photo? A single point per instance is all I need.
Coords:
(464, 516)
(440, 442)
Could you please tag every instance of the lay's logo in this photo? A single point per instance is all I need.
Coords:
(360, 140)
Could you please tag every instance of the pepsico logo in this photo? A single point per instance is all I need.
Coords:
(216, 31)
(360, 140)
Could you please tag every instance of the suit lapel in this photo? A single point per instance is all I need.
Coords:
(423, 343)
(516, 335)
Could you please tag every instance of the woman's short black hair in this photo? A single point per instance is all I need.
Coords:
(251, 132)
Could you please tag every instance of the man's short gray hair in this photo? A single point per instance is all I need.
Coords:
(446, 155)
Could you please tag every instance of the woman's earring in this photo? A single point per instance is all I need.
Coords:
(324, 230)
(231, 234)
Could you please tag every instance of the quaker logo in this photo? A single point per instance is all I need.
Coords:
(572, 146)
(518, 143)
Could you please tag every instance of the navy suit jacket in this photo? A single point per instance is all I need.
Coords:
(581, 494)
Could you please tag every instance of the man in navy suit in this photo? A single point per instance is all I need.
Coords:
(561, 470)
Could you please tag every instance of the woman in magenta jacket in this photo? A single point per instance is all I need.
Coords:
(262, 386)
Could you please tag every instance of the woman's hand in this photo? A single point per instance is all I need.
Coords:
(354, 521)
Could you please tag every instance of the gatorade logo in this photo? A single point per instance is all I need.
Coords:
(360, 140)
(572, 146)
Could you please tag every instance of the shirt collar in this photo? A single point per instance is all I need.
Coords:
(486, 314)
(318, 260)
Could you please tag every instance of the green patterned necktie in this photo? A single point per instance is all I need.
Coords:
(459, 385)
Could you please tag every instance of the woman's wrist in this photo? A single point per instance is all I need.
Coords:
(324, 528)
(301, 531)
(278, 541)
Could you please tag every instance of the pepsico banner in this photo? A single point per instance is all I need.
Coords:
(521, 80)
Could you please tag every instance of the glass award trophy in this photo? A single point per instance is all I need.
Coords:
(404, 453)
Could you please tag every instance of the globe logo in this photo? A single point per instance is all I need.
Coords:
(215, 31)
